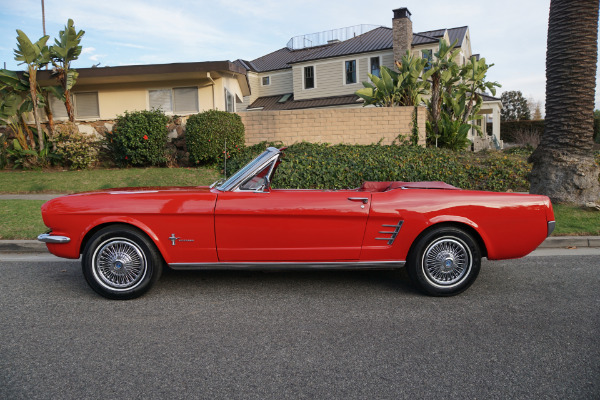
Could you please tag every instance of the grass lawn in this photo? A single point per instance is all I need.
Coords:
(572, 220)
(79, 181)
(21, 219)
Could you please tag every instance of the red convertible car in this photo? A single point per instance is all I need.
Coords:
(439, 232)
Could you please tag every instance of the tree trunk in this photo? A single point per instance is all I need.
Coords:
(69, 105)
(436, 103)
(563, 165)
(49, 114)
(34, 100)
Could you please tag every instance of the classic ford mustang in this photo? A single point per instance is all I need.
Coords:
(439, 232)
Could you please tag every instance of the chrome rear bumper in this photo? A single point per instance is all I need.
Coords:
(49, 238)
(551, 225)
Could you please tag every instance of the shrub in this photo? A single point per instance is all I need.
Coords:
(597, 129)
(207, 132)
(139, 138)
(321, 166)
(509, 128)
(76, 150)
(527, 137)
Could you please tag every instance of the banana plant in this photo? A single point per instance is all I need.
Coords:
(474, 74)
(444, 73)
(66, 49)
(402, 88)
(35, 55)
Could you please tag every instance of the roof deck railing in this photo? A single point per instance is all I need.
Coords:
(325, 37)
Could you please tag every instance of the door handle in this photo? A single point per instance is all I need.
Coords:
(364, 200)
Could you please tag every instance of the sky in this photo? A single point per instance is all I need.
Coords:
(511, 34)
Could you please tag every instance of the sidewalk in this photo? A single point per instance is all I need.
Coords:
(555, 242)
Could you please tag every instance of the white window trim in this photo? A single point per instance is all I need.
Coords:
(314, 76)
(344, 72)
(172, 99)
(265, 76)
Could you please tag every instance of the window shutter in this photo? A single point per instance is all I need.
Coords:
(185, 100)
(160, 99)
(86, 105)
(58, 108)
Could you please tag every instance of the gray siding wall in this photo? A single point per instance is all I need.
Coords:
(330, 75)
(281, 83)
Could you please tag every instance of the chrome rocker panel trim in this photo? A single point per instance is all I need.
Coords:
(288, 265)
(48, 238)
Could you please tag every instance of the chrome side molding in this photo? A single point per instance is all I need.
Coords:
(288, 265)
(48, 238)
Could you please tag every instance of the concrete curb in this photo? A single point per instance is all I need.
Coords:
(555, 242)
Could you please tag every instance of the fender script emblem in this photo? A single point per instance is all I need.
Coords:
(174, 239)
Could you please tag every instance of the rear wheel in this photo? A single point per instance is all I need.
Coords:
(120, 262)
(444, 262)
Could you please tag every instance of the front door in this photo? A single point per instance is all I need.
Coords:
(290, 225)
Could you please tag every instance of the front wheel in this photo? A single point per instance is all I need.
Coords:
(444, 262)
(120, 262)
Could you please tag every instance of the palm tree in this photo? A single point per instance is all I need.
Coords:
(563, 164)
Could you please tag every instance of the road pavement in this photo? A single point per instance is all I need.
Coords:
(526, 329)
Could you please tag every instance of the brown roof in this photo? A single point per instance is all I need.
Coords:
(373, 40)
(152, 69)
(268, 103)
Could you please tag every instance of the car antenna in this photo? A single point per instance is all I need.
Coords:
(225, 158)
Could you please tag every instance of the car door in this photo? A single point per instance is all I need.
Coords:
(290, 225)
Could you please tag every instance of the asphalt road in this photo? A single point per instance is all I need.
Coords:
(528, 328)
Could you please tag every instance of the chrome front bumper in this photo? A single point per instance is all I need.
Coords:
(49, 238)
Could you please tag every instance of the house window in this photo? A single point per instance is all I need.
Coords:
(57, 106)
(229, 103)
(375, 67)
(160, 100)
(428, 55)
(86, 105)
(350, 72)
(183, 100)
(266, 80)
(309, 77)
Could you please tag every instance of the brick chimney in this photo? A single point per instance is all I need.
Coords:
(402, 32)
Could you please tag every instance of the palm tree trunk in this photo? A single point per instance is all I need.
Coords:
(563, 164)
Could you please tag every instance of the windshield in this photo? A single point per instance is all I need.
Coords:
(248, 168)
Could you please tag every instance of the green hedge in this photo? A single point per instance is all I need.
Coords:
(139, 138)
(206, 133)
(508, 129)
(322, 166)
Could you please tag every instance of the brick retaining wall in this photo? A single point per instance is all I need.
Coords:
(332, 125)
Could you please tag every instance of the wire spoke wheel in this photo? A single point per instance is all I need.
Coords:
(119, 264)
(446, 261)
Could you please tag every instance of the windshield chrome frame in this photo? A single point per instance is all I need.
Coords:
(250, 169)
